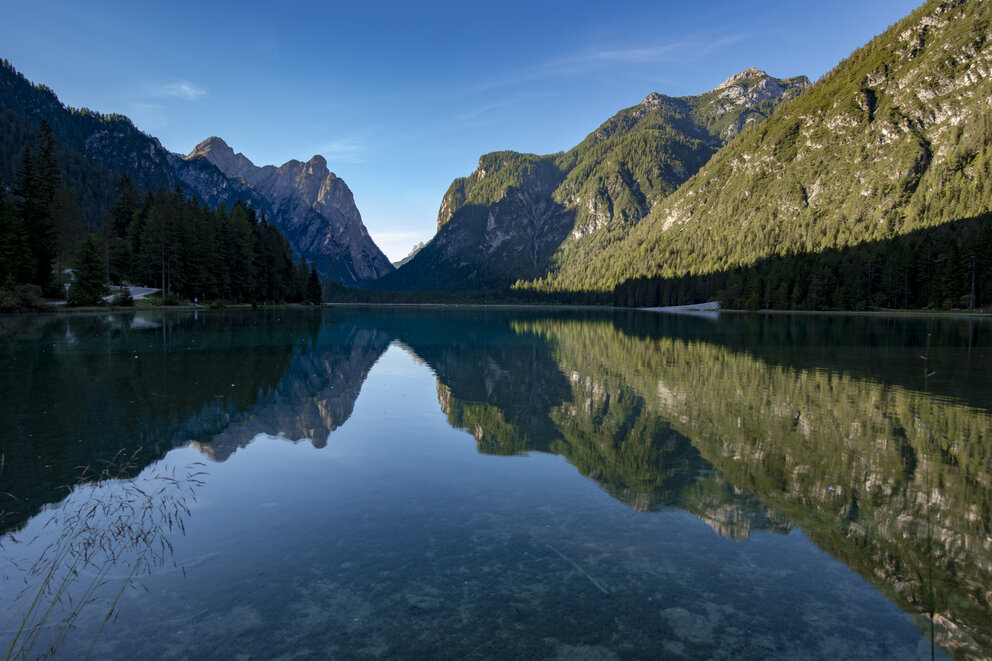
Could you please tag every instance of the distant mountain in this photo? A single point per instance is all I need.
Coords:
(413, 252)
(835, 200)
(509, 219)
(311, 205)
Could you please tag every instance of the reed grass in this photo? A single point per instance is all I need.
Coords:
(113, 520)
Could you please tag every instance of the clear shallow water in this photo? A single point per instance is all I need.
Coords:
(524, 484)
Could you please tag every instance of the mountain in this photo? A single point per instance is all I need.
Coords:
(93, 149)
(312, 206)
(413, 251)
(510, 218)
(850, 179)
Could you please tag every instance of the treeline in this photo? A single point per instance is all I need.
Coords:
(945, 267)
(192, 252)
(494, 295)
(160, 239)
(33, 224)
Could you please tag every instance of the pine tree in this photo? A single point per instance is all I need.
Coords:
(39, 179)
(16, 262)
(88, 287)
(68, 228)
(314, 294)
(127, 203)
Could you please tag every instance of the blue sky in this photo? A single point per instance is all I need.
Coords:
(403, 97)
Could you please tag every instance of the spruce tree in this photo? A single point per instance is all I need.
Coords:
(88, 287)
(127, 202)
(16, 262)
(314, 294)
(37, 185)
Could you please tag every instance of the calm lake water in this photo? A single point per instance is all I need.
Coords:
(518, 484)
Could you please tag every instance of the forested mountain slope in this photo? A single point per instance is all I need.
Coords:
(890, 144)
(507, 220)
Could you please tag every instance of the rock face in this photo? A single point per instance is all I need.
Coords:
(489, 244)
(516, 216)
(311, 205)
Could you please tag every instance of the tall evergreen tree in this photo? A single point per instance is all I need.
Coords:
(16, 262)
(39, 179)
(88, 287)
(122, 213)
(314, 294)
(69, 231)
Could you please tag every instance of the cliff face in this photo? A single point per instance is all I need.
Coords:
(516, 214)
(311, 205)
(504, 224)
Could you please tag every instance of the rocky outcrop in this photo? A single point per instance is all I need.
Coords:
(744, 99)
(311, 205)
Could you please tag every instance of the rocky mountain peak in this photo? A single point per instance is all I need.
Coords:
(653, 99)
(212, 144)
(312, 206)
(751, 72)
(317, 166)
(219, 153)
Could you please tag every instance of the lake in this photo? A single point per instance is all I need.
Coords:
(482, 483)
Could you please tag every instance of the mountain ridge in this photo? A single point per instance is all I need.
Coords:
(95, 149)
(315, 208)
(506, 221)
(894, 139)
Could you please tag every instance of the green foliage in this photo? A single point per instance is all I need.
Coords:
(497, 173)
(192, 252)
(895, 140)
(794, 435)
(16, 260)
(93, 149)
(943, 267)
(88, 285)
(36, 187)
(22, 298)
(123, 298)
(520, 215)
(314, 291)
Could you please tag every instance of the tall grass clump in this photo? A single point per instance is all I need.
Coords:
(113, 520)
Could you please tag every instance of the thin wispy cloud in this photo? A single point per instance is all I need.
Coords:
(594, 60)
(348, 150)
(483, 114)
(185, 91)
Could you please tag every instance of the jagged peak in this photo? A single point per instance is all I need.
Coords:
(751, 72)
(213, 143)
(653, 99)
(219, 153)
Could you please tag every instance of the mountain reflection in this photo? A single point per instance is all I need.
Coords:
(870, 471)
(832, 426)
